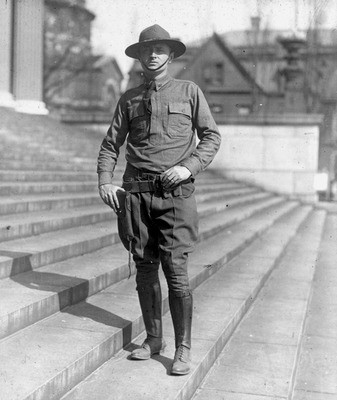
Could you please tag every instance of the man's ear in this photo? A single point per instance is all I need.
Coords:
(171, 56)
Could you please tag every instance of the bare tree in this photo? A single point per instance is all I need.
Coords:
(67, 49)
(65, 57)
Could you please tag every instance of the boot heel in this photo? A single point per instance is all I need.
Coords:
(163, 347)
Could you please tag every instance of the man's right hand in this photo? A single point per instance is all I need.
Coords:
(108, 193)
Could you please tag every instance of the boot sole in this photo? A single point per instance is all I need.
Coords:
(140, 358)
(146, 358)
(180, 373)
(135, 357)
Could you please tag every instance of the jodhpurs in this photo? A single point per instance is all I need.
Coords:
(165, 230)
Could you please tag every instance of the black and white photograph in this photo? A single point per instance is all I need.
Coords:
(168, 199)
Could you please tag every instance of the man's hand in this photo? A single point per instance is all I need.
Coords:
(108, 194)
(173, 176)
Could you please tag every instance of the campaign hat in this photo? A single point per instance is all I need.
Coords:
(156, 34)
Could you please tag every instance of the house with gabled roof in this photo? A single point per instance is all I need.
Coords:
(246, 77)
(229, 88)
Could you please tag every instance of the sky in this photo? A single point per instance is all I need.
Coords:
(119, 22)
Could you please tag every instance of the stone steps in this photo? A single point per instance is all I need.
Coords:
(21, 255)
(25, 254)
(47, 140)
(33, 175)
(63, 200)
(71, 164)
(36, 175)
(20, 188)
(49, 154)
(220, 302)
(72, 252)
(315, 375)
(97, 328)
(69, 315)
(18, 225)
(46, 201)
(262, 356)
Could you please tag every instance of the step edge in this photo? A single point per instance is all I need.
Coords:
(165, 299)
(192, 384)
(126, 271)
(6, 267)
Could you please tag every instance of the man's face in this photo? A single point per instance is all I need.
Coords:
(153, 56)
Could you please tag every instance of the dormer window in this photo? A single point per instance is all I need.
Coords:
(219, 73)
(214, 74)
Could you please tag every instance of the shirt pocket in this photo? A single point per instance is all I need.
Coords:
(138, 119)
(179, 119)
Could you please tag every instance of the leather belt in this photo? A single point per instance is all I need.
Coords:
(153, 185)
(142, 186)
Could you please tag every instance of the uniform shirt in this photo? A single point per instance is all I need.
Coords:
(163, 137)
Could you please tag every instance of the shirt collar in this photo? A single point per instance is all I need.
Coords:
(160, 82)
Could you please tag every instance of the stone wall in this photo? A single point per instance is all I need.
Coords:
(277, 153)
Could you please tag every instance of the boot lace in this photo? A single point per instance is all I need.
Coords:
(146, 344)
(182, 354)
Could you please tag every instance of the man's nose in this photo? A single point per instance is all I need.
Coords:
(152, 52)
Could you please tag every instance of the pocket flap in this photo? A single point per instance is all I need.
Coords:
(180, 108)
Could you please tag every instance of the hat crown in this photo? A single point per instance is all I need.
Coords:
(153, 33)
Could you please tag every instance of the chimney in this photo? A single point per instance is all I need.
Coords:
(293, 74)
(255, 22)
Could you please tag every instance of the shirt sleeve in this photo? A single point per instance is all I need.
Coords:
(208, 135)
(114, 139)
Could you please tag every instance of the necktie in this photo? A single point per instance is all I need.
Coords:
(151, 86)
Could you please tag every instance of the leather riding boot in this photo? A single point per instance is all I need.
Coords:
(181, 310)
(150, 303)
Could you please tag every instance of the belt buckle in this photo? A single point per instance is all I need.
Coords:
(158, 187)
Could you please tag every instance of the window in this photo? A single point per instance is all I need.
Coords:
(216, 108)
(243, 109)
(214, 74)
(218, 79)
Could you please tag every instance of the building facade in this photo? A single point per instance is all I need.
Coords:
(46, 60)
(21, 55)
(77, 83)
(254, 75)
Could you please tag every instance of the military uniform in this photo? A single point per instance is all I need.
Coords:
(158, 120)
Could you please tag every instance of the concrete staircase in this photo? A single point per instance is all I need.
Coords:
(69, 317)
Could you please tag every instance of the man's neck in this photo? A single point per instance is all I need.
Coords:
(155, 75)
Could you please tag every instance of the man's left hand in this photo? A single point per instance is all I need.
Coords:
(173, 176)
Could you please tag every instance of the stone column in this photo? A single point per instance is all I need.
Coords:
(6, 97)
(28, 56)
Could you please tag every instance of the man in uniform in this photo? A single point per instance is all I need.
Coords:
(159, 223)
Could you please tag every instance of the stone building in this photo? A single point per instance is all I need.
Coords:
(21, 55)
(76, 82)
(46, 60)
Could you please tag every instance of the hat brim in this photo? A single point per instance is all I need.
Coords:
(176, 46)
